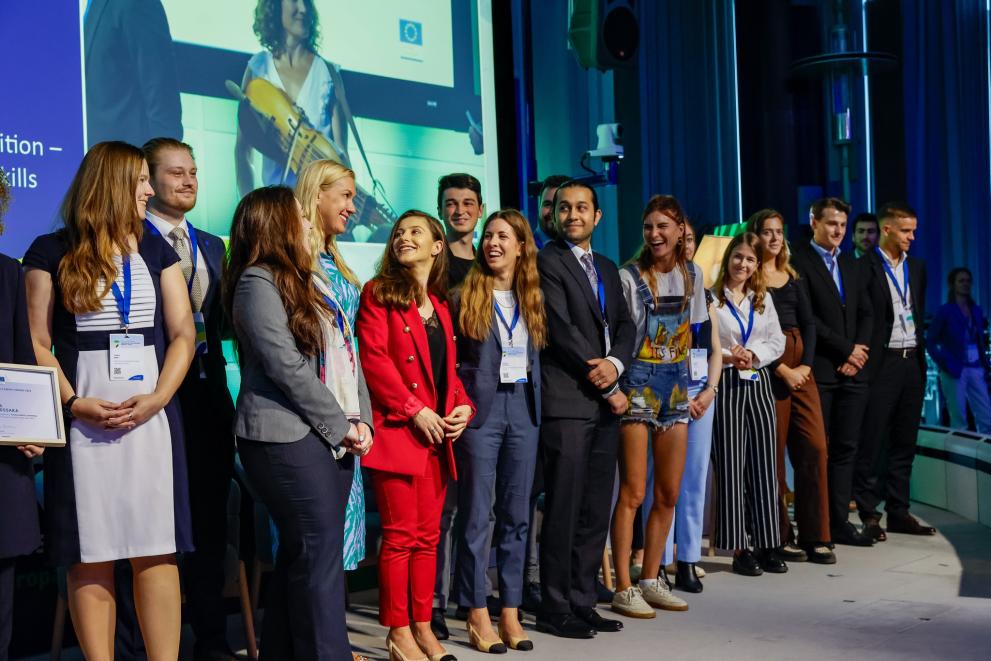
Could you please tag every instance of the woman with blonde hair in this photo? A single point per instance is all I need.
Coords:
(665, 294)
(799, 412)
(744, 445)
(326, 189)
(501, 329)
(112, 301)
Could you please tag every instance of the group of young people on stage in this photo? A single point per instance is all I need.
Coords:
(463, 380)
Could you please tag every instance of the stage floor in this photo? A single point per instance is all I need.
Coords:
(907, 598)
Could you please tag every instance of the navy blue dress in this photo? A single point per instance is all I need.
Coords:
(114, 495)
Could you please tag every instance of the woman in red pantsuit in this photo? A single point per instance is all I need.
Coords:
(419, 407)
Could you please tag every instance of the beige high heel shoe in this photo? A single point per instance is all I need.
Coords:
(396, 655)
(521, 644)
(487, 646)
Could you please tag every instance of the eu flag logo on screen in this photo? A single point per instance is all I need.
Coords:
(410, 32)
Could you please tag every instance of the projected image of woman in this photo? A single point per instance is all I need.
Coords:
(289, 30)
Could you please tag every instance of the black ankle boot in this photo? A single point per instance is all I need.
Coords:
(664, 577)
(686, 579)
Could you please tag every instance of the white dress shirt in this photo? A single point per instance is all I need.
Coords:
(164, 227)
(766, 340)
(902, 334)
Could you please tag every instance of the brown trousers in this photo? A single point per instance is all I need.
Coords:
(801, 430)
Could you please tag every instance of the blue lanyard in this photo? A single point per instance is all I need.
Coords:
(338, 314)
(124, 299)
(509, 327)
(193, 248)
(744, 334)
(903, 295)
(602, 292)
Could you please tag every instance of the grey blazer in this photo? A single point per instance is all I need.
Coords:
(281, 397)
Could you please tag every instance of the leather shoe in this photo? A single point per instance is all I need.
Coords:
(564, 625)
(791, 552)
(531, 598)
(847, 534)
(908, 525)
(686, 579)
(770, 562)
(439, 625)
(820, 554)
(745, 564)
(873, 529)
(591, 617)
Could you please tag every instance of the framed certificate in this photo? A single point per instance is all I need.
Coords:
(30, 406)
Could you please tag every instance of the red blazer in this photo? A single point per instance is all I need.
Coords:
(396, 361)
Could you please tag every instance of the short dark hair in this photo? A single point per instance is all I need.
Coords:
(824, 203)
(553, 181)
(577, 183)
(458, 180)
(865, 217)
(895, 210)
(272, 36)
(154, 147)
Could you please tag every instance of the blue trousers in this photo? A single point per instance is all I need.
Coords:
(495, 468)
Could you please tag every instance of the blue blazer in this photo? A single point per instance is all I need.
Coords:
(478, 369)
(948, 336)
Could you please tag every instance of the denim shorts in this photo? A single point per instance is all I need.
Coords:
(656, 393)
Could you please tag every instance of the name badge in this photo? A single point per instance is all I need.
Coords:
(749, 375)
(608, 342)
(199, 323)
(905, 317)
(512, 368)
(973, 354)
(127, 357)
(700, 365)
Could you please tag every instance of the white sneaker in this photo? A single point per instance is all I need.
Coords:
(657, 594)
(630, 602)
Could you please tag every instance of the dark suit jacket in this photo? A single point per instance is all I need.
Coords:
(575, 331)
(132, 86)
(19, 530)
(478, 368)
(884, 311)
(839, 324)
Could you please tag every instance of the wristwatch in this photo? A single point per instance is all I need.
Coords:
(67, 407)
(715, 390)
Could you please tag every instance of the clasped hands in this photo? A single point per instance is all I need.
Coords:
(117, 417)
(437, 428)
(358, 440)
(855, 362)
(740, 357)
(602, 374)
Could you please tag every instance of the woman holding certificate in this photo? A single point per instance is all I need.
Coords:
(19, 533)
(112, 301)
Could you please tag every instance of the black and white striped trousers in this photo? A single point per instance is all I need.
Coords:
(743, 456)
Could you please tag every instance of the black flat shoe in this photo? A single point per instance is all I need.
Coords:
(591, 617)
(770, 562)
(664, 577)
(564, 625)
(686, 579)
(439, 625)
(849, 535)
(746, 564)
(792, 553)
(907, 524)
(872, 528)
(820, 554)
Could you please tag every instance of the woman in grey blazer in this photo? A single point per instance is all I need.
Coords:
(302, 415)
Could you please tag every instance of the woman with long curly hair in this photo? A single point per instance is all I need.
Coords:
(665, 294)
(501, 329)
(112, 301)
(744, 445)
(420, 408)
(302, 415)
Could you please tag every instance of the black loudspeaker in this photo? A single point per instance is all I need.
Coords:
(604, 33)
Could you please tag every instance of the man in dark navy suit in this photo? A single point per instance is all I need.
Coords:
(207, 408)
(591, 339)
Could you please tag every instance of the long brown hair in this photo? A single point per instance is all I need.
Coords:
(755, 224)
(670, 207)
(755, 282)
(319, 176)
(100, 213)
(266, 232)
(476, 293)
(394, 285)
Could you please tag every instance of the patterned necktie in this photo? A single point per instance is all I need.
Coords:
(181, 246)
(593, 277)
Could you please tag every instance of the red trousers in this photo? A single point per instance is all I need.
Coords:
(410, 509)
